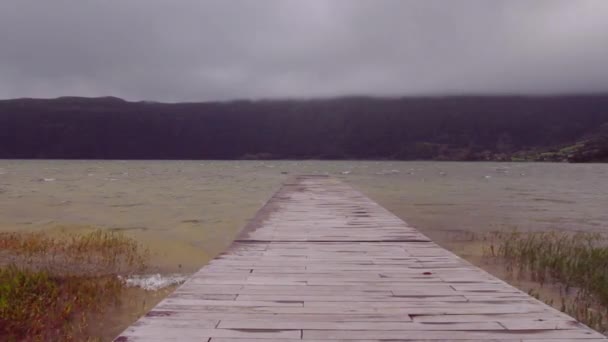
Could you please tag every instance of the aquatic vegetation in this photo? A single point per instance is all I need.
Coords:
(90, 254)
(50, 287)
(578, 263)
(35, 305)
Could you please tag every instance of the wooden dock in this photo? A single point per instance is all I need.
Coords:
(322, 262)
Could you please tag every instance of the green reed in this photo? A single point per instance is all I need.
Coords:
(51, 286)
(95, 253)
(578, 263)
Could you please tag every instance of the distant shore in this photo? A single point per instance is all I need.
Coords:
(455, 128)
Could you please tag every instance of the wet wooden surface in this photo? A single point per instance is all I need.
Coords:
(322, 262)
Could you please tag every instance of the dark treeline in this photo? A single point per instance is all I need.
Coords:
(441, 128)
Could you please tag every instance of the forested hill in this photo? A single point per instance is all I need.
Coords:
(433, 128)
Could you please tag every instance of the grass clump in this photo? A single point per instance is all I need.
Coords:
(577, 263)
(51, 286)
(89, 254)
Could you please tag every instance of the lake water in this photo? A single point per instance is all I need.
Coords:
(188, 211)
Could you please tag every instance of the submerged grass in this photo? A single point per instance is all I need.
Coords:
(95, 253)
(51, 286)
(576, 263)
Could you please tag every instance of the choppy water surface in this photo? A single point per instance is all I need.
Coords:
(188, 211)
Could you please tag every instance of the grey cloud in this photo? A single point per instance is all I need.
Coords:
(193, 50)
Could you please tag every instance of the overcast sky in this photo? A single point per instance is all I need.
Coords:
(197, 50)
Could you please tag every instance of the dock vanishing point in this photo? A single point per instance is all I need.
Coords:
(322, 262)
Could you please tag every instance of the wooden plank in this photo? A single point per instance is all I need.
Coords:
(364, 297)
(321, 262)
(319, 325)
(368, 340)
(528, 317)
(406, 340)
(164, 315)
(578, 334)
(198, 332)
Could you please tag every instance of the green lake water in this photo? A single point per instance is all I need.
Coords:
(186, 212)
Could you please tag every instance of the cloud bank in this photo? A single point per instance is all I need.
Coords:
(198, 50)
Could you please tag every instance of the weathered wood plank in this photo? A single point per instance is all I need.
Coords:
(578, 334)
(311, 325)
(321, 262)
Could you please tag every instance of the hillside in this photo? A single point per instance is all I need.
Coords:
(564, 128)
